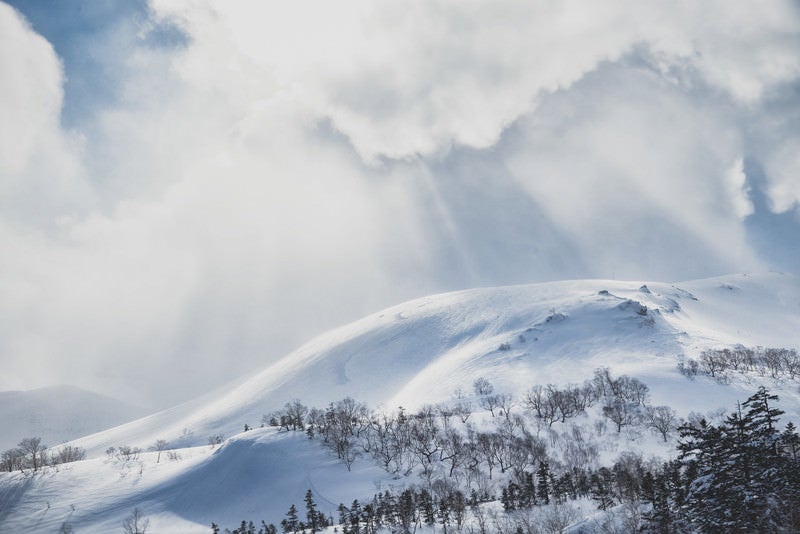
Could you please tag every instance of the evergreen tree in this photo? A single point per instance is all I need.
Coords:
(426, 508)
(355, 517)
(506, 500)
(543, 483)
(602, 482)
(528, 490)
(368, 517)
(790, 442)
(344, 518)
(386, 510)
(564, 488)
(444, 513)
(290, 523)
(406, 510)
(315, 520)
(738, 478)
(701, 448)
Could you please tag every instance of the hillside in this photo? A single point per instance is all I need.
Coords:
(423, 350)
(59, 413)
(415, 353)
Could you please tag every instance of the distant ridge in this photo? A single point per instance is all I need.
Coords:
(58, 414)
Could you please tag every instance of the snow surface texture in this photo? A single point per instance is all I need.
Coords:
(415, 353)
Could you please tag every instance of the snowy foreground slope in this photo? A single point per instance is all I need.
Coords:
(415, 353)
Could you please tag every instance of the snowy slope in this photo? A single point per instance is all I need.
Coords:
(417, 352)
(421, 351)
(58, 414)
(252, 476)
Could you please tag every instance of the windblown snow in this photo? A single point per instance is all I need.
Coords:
(412, 354)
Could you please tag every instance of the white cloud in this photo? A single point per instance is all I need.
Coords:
(632, 168)
(41, 176)
(284, 172)
(783, 172)
(413, 78)
(30, 100)
(738, 189)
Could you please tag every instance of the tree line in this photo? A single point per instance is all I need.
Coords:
(719, 364)
(440, 440)
(32, 454)
(517, 458)
(740, 476)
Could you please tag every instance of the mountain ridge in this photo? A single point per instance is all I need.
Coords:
(428, 347)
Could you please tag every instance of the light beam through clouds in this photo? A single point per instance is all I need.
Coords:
(283, 168)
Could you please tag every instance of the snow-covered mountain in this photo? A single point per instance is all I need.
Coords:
(423, 350)
(59, 413)
(415, 353)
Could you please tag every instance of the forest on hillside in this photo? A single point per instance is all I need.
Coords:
(487, 463)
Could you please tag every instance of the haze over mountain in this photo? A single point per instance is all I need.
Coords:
(58, 414)
(412, 354)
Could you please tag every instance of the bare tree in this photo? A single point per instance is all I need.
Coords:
(35, 450)
(621, 413)
(425, 442)
(536, 401)
(345, 421)
(296, 411)
(378, 441)
(135, 523)
(562, 403)
(555, 518)
(126, 453)
(463, 409)
(790, 362)
(13, 459)
(452, 447)
(482, 387)
(661, 419)
(713, 362)
(487, 399)
(160, 445)
(505, 403)
(67, 454)
(492, 402)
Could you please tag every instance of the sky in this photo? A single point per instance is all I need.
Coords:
(189, 189)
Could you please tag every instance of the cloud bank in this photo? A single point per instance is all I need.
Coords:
(290, 167)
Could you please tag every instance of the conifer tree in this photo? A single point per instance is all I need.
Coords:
(426, 507)
(738, 477)
(543, 483)
(406, 510)
(290, 523)
(790, 442)
(312, 515)
(355, 517)
(601, 492)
